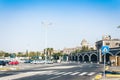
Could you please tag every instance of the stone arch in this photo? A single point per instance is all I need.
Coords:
(76, 58)
(118, 53)
(80, 58)
(107, 56)
(86, 58)
(93, 57)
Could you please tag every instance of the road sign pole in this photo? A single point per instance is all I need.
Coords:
(104, 65)
(105, 50)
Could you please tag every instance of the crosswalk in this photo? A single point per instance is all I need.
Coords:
(48, 73)
(70, 73)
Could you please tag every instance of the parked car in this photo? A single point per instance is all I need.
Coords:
(28, 61)
(37, 62)
(14, 62)
(48, 62)
(3, 63)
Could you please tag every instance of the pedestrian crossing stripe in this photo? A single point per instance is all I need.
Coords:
(75, 73)
(71, 73)
(59, 73)
(83, 73)
(67, 73)
(92, 73)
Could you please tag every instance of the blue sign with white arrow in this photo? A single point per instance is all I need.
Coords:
(105, 49)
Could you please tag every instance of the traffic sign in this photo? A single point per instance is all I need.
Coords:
(105, 49)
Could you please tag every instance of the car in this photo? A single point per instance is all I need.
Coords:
(37, 62)
(13, 62)
(28, 61)
(48, 62)
(3, 63)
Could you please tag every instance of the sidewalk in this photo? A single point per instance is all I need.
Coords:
(114, 73)
(110, 79)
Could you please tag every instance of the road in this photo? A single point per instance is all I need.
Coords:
(66, 71)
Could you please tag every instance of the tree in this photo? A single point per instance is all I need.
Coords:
(13, 55)
(48, 52)
(56, 56)
(84, 48)
(19, 54)
(2, 53)
(6, 55)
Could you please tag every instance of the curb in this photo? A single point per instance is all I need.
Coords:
(9, 68)
(113, 76)
(98, 77)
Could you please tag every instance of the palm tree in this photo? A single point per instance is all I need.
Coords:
(49, 52)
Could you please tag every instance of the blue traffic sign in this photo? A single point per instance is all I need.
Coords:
(105, 49)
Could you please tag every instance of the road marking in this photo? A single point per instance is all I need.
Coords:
(50, 73)
(59, 73)
(60, 67)
(83, 73)
(91, 73)
(54, 77)
(75, 73)
(26, 74)
(67, 73)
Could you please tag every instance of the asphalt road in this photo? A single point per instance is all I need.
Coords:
(66, 71)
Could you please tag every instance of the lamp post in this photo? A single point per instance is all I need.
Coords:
(46, 36)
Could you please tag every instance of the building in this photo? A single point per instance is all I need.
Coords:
(84, 43)
(107, 41)
(68, 50)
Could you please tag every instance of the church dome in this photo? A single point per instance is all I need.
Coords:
(84, 42)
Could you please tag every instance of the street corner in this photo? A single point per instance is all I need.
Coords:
(98, 77)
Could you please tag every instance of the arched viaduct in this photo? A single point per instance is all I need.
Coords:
(94, 56)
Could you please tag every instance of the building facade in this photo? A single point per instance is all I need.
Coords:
(106, 41)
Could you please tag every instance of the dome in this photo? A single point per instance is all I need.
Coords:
(84, 42)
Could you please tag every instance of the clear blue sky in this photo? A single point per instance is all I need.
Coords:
(72, 21)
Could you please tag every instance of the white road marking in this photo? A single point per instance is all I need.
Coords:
(26, 74)
(59, 73)
(67, 73)
(75, 73)
(50, 73)
(91, 73)
(53, 77)
(83, 73)
(60, 67)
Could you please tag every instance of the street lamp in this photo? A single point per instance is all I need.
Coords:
(45, 24)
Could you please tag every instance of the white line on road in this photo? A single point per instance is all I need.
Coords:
(67, 73)
(51, 73)
(91, 73)
(53, 77)
(59, 73)
(75, 73)
(82, 73)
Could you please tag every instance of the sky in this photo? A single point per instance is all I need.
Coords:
(24, 23)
